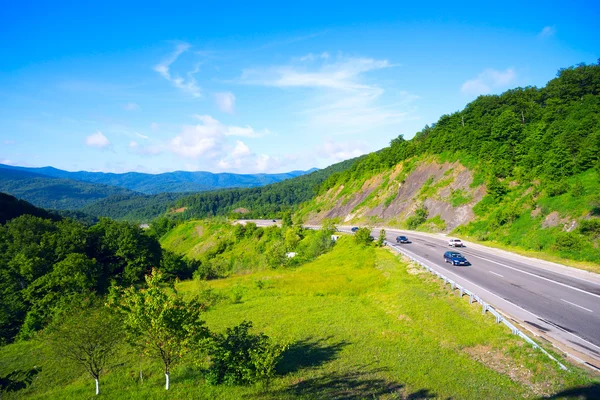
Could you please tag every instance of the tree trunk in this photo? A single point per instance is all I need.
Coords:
(167, 380)
(97, 386)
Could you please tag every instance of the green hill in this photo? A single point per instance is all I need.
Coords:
(11, 207)
(270, 200)
(520, 169)
(54, 193)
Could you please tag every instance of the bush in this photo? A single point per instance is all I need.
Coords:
(363, 237)
(569, 241)
(557, 188)
(240, 357)
(590, 227)
(420, 217)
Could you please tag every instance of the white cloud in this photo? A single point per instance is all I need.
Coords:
(97, 140)
(225, 101)
(133, 144)
(6, 161)
(187, 84)
(131, 107)
(488, 80)
(339, 151)
(154, 126)
(240, 150)
(341, 102)
(141, 136)
(9, 142)
(547, 32)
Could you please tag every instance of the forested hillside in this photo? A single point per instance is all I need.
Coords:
(54, 193)
(178, 181)
(521, 168)
(270, 200)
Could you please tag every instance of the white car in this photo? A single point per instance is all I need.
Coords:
(455, 243)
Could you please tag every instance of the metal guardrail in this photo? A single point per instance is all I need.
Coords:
(485, 307)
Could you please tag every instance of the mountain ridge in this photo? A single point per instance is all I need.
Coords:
(176, 181)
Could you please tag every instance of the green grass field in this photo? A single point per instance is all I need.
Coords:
(361, 324)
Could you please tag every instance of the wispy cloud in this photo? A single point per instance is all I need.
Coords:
(131, 107)
(488, 80)
(9, 142)
(141, 136)
(97, 140)
(338, 151)
(547, 32)
(225, 101)
(342, 101)
(188, 84)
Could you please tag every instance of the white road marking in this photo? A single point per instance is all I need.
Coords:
(540, 277)
(492, 272)
(577, 305)
(515, 305)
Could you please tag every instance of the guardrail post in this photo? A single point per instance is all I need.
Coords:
(483, 308)
(462, 292)
(470, 299)
(452, 285)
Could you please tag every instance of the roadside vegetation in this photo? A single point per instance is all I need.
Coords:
(355, 323)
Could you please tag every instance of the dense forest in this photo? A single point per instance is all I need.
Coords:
(49, 264)
(54, 193)
(548, 133)
(270, 200)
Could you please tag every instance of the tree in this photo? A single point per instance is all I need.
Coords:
(363, 236)
(381, 238)
(159, 321)
(89, 339)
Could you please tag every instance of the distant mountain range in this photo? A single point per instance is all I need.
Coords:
(178, 181)
(53, 188)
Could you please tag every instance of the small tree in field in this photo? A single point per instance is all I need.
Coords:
(381, 237)
(88, 339)
(363, 236)
(160, 322)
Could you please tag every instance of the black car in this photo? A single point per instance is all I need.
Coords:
(455, 258)
(354, 228)
(402, 239)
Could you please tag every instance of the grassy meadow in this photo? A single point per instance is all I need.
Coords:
(360, 322)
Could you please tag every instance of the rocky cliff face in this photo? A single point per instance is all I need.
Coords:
(444, 189)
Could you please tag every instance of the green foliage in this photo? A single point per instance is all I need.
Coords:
(363, 237)
(419, 217)
(381, 238)
(89, 340)
(459, 198)
(590, 227)
(54, 193)
(159, 322)
(240, 357)
(48, 266)
(11, 207)
(567, 241)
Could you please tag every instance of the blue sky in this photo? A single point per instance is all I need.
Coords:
(256, 87)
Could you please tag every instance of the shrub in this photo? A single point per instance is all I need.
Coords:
(240, 357)
(363, 237)
(568, 241)
(557, 188)
(420, 216)
(590, 227)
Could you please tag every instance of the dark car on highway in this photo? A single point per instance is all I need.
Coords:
(354, 228)
(402, 239)
(455, 258)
